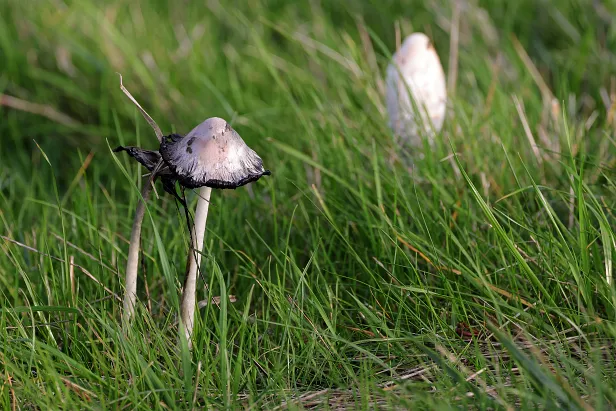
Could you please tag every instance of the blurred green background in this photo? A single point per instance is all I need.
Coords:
(357, 281)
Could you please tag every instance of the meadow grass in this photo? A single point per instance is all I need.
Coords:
(479, 277)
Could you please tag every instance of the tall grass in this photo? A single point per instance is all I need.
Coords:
(481, 276)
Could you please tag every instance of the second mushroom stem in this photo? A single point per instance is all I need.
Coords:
(132, 264)
(187, 307)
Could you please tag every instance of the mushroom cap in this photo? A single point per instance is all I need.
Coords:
(416, 66)
(212, 155)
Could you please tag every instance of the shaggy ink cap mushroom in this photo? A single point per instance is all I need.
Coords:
(212, 155)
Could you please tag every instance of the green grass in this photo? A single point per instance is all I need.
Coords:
(479, 279)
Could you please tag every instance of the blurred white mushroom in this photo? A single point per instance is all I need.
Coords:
(416, 68)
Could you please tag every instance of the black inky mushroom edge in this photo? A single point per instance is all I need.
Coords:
(166, 176)
(190, 182)
(147, 158)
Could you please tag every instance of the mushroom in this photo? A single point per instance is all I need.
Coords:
(212, 155)
(416, 68)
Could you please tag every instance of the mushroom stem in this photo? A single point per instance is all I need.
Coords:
(132, 264)
(187, 307)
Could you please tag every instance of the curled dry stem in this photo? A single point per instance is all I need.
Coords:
(132, 264)
(151, 122)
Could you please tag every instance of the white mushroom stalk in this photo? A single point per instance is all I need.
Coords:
(187, 307)
(212, 155)
(132, 262)
(416, 84)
